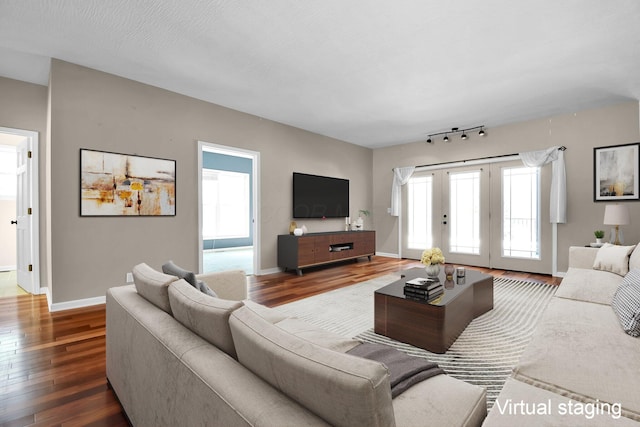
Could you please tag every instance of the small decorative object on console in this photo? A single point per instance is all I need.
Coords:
(448, 271)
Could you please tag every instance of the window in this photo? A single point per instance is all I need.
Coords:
(521, 212)
(464, 208)
(419, 203)
(225, 204)
(8, 173)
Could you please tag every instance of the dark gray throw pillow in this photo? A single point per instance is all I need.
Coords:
(626, 303)
(171, 268)
(206, 289)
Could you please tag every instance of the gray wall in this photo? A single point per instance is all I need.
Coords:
(91, 109)
(579, 132)
(24, 106)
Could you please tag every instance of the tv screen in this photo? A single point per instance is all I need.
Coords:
(320, 196)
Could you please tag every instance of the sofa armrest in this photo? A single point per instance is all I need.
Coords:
(231, 285)
(582, 256)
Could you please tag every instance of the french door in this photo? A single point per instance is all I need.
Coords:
(488, 215)
(449, 209)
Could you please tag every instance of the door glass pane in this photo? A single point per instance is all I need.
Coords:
(464, 212)
(520, 212)
(420, 211)
(225, 204)
(8, 171)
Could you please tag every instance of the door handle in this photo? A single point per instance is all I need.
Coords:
(14, 222)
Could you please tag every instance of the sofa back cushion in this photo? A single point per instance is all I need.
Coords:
(153, 285)
(613, 258)
(342, 389)
(204, 315)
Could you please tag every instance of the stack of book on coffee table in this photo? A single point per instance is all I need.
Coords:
(421, 289)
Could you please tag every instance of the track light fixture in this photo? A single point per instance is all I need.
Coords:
(463, 132)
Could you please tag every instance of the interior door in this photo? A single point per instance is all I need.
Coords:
(24, 218)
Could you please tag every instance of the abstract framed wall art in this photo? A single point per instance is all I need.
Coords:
(113, 184)
(616, 172)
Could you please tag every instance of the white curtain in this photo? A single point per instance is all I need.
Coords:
(558, 201)
(400, 177)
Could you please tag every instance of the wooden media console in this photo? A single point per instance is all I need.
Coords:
(298, 252)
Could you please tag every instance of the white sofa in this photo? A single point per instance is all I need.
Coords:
(178, 357)
(580, 368)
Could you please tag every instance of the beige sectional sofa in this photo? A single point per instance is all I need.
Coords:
(580, 368)
(178, 357)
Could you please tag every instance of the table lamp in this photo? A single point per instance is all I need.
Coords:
(616, 215)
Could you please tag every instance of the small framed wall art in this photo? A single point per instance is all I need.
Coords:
(616, 172)
(113, 184)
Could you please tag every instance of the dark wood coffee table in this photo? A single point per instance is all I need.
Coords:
(432, 326)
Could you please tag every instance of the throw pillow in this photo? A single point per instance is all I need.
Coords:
(613, 258)
(170, 267)
(205, 289)
(626, 303)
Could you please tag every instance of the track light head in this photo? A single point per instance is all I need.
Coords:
(429, 141)
(463, 136)
(481, 133)
(446, 138)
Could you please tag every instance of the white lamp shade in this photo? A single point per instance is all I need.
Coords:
(616, 215)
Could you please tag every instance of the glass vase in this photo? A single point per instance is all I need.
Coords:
(432, 270)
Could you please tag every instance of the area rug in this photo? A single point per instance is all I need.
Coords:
(484, 354)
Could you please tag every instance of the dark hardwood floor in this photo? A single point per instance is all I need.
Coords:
(52, 365)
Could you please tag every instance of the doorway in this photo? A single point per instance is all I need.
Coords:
(228, 200)
(19, 259)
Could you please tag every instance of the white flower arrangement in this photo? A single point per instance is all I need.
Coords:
(432, 256)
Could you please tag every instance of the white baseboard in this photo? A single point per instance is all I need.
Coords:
(388, 255)
(269, 271)
(7, 267)
(80, 303)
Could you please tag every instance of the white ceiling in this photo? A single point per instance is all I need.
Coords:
(371, 72)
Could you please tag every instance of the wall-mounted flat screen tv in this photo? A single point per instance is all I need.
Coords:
(320, 196)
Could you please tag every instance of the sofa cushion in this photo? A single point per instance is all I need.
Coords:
(342, 389)
(271, 315)
(634, 258)
(170, 267)
(205, 316)
(579, 351)
(554, 410)
(317, 335)
(153, 285)
(613, 258)
(626, 303)
(582, 284)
